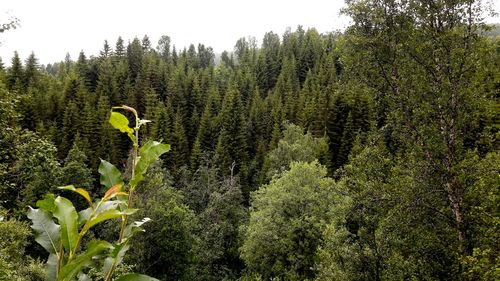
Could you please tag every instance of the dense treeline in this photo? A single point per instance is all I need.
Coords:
(365, 155)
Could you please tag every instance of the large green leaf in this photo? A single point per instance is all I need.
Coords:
(107, 215)
(83, 260)
(46, 230)
(84, 193)
(68, 219)
(120, 122)
(149, 153)
(84, 215)
(110, 175)
(135, 277)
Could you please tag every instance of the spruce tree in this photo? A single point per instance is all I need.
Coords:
(15, 74)
(70, 127)
(151, 104)
(336, 122)
(231, 144)
(120, 48)
(134, 58)
(180, 148)
(105, 82)
(106, 51)
(31, 73)
(83, 69)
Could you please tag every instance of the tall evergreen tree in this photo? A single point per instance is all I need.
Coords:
(120, 48)
(31, 73)
(134, 58)
(15, 74)
(231, 145)
(180, 148)
(106, 50)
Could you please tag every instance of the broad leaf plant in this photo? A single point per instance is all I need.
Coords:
(60, 228)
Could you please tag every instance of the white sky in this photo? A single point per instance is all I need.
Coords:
(56, 27)
(52, 28)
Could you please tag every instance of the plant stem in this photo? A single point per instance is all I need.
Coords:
(135, 152)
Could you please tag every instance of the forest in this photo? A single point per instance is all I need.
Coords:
(367, 154)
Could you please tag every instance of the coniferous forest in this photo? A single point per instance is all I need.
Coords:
(367, 154)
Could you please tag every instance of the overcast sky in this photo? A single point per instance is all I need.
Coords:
(53, 28)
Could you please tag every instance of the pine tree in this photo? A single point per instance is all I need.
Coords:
(89, 131)
(231, 145)
(134, 58)
(70, 128)
(15, 74)
(269, 64)
(106, 51)
(336, 122)
(309, 54)
(193, 128)
(180, 148)
(257, 136)
(164, 122)
(347, 141)
(106, 137)
(105, 83)
(287, 86)
(31, 73)
(82, 69)
(120, 48)
(121, 82)
(151, 104)
(206, 136)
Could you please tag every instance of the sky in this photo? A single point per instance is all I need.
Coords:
(53, 28)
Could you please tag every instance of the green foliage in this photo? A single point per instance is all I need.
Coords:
(481, 174)
(63, 240)
(231, 145)
(110, 175)
(47, 232)
(32, 171)
(67, 217)
(401, 107)
(219, 206)
(295, 146)
(14, 264)
(427, 78)
(219, 241)
(287, 219)
(170, 238)
(75, 170)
